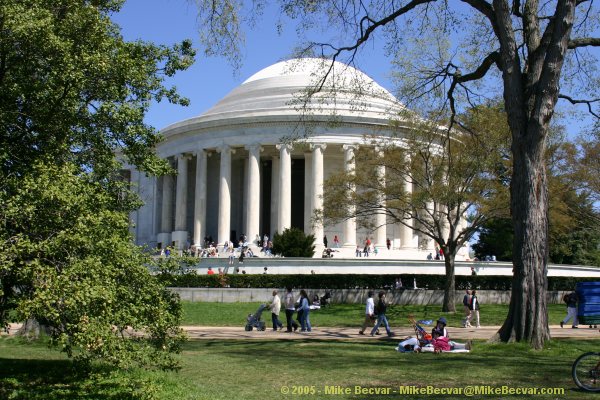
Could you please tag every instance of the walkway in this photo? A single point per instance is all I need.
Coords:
(325, 333)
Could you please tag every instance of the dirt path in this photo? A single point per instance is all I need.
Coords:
(328, 333)
(325, 333)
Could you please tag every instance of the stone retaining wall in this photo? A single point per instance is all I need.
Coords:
(351, 296)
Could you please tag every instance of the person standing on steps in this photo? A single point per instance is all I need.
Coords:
(336, 241)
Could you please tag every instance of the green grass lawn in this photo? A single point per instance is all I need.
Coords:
(347, 315)
(235, 369)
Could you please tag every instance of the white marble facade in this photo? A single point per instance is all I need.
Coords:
(236, 174)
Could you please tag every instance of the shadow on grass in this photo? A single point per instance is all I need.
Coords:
(488, 364)
(57, 379)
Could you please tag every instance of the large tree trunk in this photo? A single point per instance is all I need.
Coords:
(530, 97)
(527, 318)
(450, 287)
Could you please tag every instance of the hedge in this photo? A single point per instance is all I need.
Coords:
(352, 281)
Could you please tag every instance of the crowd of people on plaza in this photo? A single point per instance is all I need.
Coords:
(208, 248)
(369, 248)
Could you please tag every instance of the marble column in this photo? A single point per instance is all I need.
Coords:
(181, 193)
(380, 217)
(180, 234)
(308, 187)
(317, 193)
(284, 215)
(406, 231)
(349, 232)
(274, 195)
(224, 221)
(430, 214)
(253, 192)
(200, 198)
(166, 221)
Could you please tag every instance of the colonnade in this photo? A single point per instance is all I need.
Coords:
(281, 198)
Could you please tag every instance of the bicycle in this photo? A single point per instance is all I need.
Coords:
(586, 372)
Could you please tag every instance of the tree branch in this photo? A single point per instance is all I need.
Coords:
(480, 72)
(576, 101)
(583, 42)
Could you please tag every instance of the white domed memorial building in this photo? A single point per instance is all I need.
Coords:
(237, 172)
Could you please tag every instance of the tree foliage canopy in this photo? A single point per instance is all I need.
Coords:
(71, 89)
(573, 229)
(73, 94)
(434, 182)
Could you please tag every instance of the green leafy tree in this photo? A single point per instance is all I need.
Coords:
(433, 183)
(67, 261)
(73, 95)
(459, 54)
(495, 238)
(293, 242)
(573, 232)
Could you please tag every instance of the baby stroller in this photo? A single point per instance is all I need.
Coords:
(253, 320)
(421, 333)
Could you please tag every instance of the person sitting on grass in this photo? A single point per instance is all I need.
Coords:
(438, 341)
(415, 343)
(441, 341)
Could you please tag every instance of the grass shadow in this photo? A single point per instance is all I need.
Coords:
(33, 379)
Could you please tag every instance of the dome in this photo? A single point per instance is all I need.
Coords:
(278, 90)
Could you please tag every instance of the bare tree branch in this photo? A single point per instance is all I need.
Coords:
(480, 72)
(587, 102)
(583, 42)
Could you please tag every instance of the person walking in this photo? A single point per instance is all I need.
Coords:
(290, 308)
(275, 307)
(474, 309)
(325, 241)
(571, 300)
(381, 318)
(467, 308)
(305, 307)
(369, 313)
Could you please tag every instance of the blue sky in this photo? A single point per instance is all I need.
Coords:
(211, 78)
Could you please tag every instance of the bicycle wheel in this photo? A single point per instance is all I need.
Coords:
(586, 372)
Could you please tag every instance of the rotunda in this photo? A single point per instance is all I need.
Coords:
(239, 171)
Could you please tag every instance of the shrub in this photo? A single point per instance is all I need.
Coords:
(293, 243)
